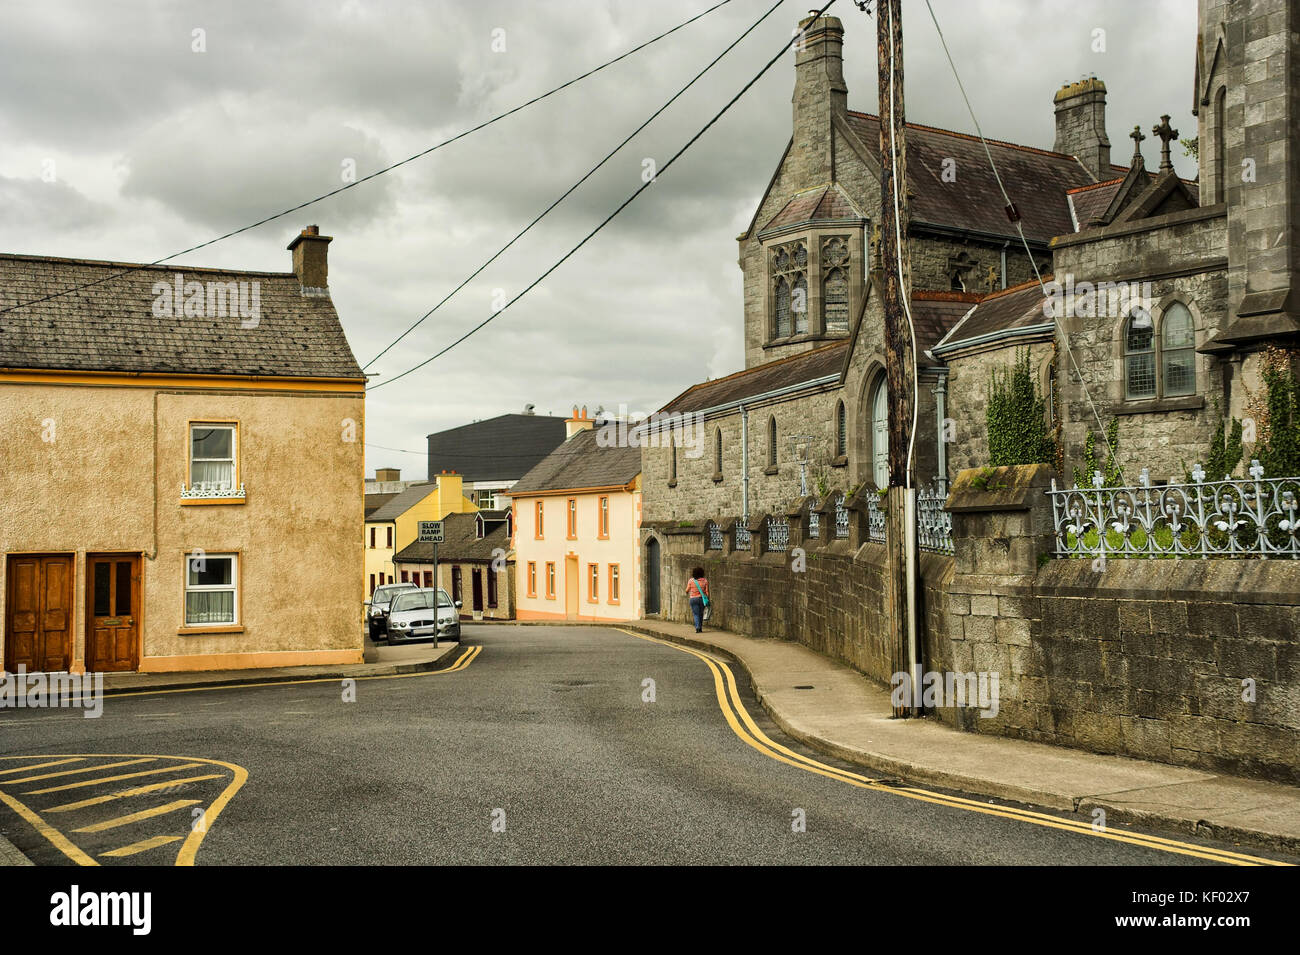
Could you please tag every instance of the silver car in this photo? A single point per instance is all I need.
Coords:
(422, 614)
(377, 607)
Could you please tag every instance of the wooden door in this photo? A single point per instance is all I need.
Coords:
(112, 612)
(38, 612)
(478, 589)
(571, 587)
(651, 576)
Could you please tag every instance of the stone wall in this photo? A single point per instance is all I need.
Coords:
(1190, 662)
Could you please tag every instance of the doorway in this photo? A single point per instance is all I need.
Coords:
(112, 612)
(651, 576)
(38, 612)
(478, 589)
(571, 587)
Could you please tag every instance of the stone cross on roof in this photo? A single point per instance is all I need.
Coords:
(1166, 133)
(1137, 138)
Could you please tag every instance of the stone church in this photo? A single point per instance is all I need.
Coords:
(1212, 264)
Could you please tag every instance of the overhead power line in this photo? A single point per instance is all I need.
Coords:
(568, 192)
(610, 218)
(374, 175)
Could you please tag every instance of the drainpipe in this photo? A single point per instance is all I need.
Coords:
(744, 463)
(1004, 262)
(941, 414)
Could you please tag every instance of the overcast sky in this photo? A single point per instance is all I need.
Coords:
(156, 147)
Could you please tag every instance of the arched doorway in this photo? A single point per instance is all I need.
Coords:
(651, 576)
(880, 433)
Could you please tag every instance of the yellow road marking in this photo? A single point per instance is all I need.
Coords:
(110, 779)
(135, 847)
(28, 769)
(136, 791)
(138, 816)
(729, 702)
(460, 664)
(195, 838)
(72, 772)
(59, 840)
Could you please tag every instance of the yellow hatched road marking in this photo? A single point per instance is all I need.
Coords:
(141, 846)
(73, 772)
(729, 701)
(111, 779)
(138, 816)
(136, 791)
(58, 839)
(28, 769)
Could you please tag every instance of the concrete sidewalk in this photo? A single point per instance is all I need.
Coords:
(848, 716)
(380, 660)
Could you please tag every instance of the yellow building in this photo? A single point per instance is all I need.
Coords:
(180, 464)
(396, 523)
(577, 519)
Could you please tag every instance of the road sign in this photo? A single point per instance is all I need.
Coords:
(430, 532)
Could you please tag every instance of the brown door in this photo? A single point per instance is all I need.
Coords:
(112, 613)
(38, 614)
(478, 590)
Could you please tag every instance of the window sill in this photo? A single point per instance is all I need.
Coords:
(216, 628)
(841, 462)
(717, 478)
(672, 483)
(1150, 405)
(188, 501)
(771, 469)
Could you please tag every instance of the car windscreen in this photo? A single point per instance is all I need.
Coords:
(385, 594)
(420, 600)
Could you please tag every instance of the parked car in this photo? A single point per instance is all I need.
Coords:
(423, 614)
(380, 600)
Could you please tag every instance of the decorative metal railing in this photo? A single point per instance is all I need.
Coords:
(814, 525)
(933, 523)
(714, 535)
(1246, 517)
(742, 535)
(778, 533)
(841, 518)
(875, 518)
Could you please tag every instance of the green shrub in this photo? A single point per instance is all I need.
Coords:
(1016, 417)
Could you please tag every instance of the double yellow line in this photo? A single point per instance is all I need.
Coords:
(738, 718)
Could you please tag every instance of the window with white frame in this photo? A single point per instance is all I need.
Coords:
(212, 457)
(211, 590)
(1159, 362)
(487, 499)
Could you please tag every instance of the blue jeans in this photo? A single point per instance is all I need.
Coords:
(697, 611)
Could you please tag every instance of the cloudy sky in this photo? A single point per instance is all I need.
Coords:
(118, 140)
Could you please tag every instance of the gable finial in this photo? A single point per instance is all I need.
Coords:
(1137, 138)
(1166, 133)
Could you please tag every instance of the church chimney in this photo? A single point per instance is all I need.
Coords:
(819, 94)
(1081, 125)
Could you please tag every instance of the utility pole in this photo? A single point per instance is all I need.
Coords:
(900, 502)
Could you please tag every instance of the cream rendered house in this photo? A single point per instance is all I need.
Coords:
(577, 519)
(180, 466)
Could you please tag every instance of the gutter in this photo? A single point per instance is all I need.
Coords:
(988, 337)
(740, 403)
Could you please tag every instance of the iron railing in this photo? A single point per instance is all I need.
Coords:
(875, 518)
(778, 533)
(933, 522)
(714, 538)
(841, 518)
(742, 536)
(814, 525)
(1241, 517)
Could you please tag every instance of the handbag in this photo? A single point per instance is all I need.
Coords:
(708, 604)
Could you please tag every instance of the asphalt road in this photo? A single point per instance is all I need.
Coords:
(541, 749)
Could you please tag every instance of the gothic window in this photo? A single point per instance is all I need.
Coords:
(1139, 356)
(841, 431)
(1220, 185)
(672, 444)
(717, 451)
(771, 441)
(880, 433)
(789, 275)
(835, 283)
(1177, 352)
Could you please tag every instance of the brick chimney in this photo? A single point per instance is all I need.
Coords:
(579, 422)
(1081, 125)
(819, 94)
(311, 259)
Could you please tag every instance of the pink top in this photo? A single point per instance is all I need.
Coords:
(693, 587)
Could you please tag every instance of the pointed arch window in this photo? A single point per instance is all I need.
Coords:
(835, 283)
(1177, 352)
(771, 441)
(1160, 359)
(841, 431)
(717, 451)
(789, 275)
(1139, 355)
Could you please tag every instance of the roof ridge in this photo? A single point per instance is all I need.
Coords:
(943, 295)
(971, 136)
(140, 266)
(1094, 185)
(1003, 292)
(770, 364)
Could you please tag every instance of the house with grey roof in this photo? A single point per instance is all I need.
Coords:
(157, 423)
(492, 454)
(474, 564)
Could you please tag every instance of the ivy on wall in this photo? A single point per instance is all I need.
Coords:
(1017, 417)
(1278, 448)
(1111, 474)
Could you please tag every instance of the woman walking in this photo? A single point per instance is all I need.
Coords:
(697, 589)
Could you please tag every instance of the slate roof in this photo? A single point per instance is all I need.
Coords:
(823, 202)
(1089, 201)
(806, 366)
(581, 462)
(1035, 179)
(935, 313)
(111, 326)
(460, 541)
(401, 502)
(503, 448)
(1020, 306)
(375, 501)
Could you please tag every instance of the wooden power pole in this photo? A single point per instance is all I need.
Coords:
(899, 357)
